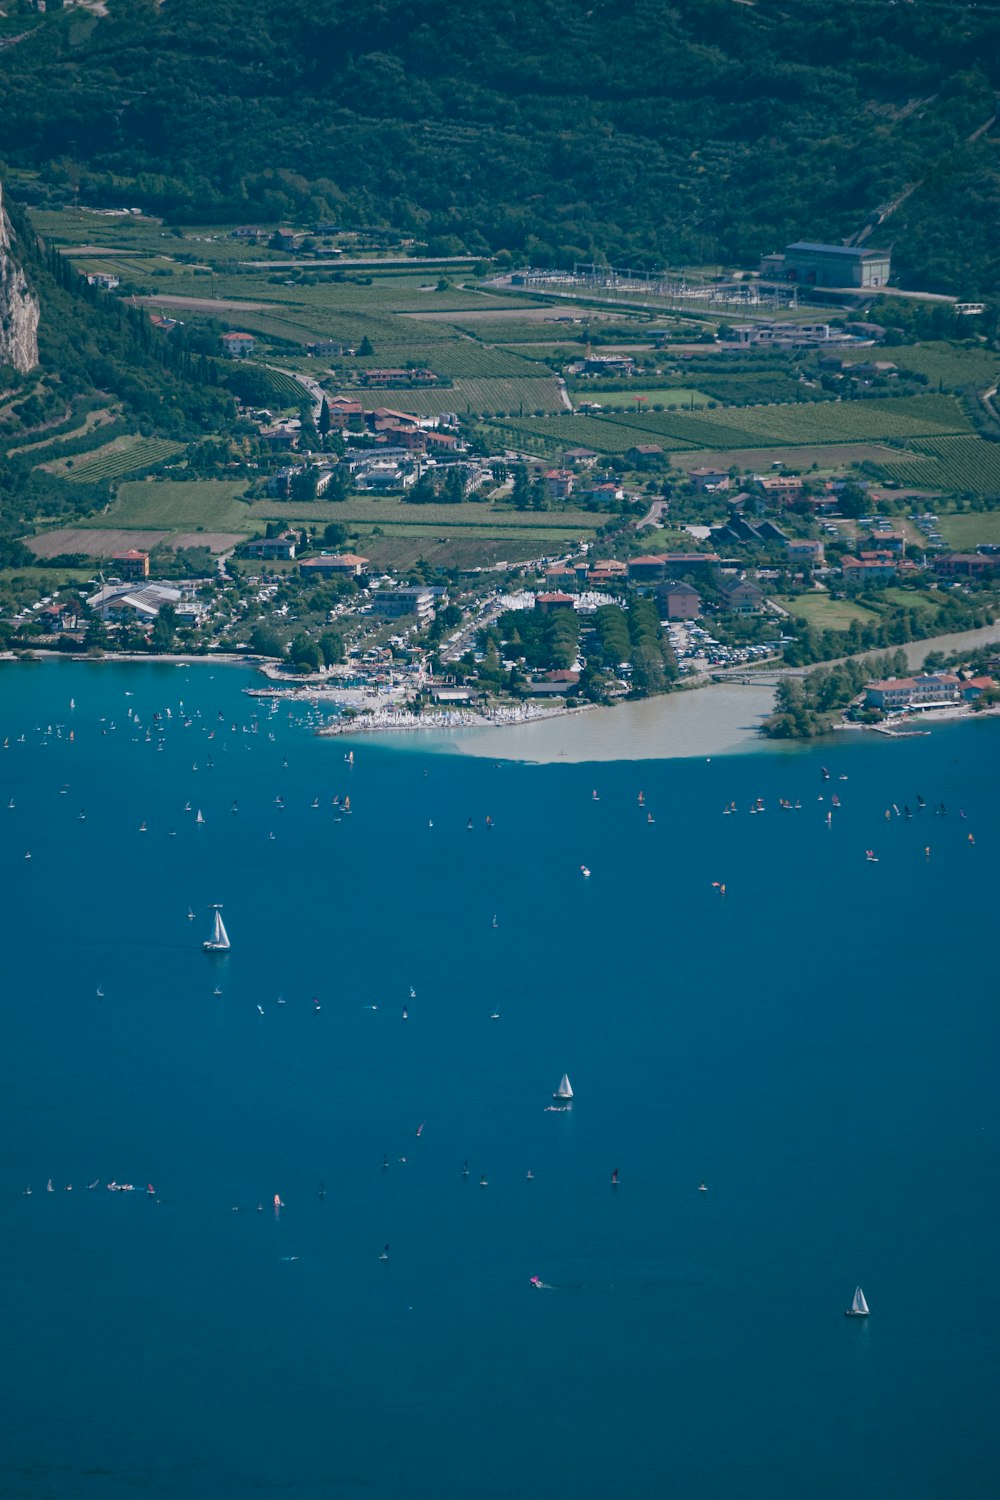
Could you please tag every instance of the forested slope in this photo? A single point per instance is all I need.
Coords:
(700, 130)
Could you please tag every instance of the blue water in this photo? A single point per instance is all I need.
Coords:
(818, 1046)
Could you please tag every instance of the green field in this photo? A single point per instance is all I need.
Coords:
(626, 399)
(965, 532)
(175, 506)
(953, 366)
(822, 612)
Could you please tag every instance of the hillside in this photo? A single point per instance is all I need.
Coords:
(701, 131)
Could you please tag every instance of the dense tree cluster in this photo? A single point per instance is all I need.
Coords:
(697, 130)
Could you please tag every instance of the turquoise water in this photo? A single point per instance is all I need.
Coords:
(818, 1046)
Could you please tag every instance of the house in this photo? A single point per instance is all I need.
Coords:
(609, 364)
(889, 540)
(131, 564)
(601, 490)
(342, 409)
(547, 604)
(281, 438)
(398, 377)
(583, 458)
(272, 547)
(555, 576)
(553, 685)
(103, 279)
(326, 348)
(807, 553)
(608, 570)
(249, 234)
(644, 456)
(679, 601)
(972, 687)
(559, 483)
(931, 690)
(869, 568)
(683, 562)
(741, 596)
(705, 478)
(335, 565)
(59, 617)
(395, 603)
(237, 345)
(966, 565)
(648, 569)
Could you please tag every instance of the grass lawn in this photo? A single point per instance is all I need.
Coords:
(46, 579)
(965, 532)
(399, 551)
(822, 612)
(910, 600)
(211, 504)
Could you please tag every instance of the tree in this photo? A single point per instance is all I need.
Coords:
(335, 535)
(324, 419)
(265, 641)
(304, 484)
(331, 645)
(365, 350)
(304, 653)
(164, 629)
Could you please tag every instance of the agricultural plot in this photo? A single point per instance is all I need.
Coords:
(538, 393)
(125, 455)
(957, 465)
(208, 504)
(513, 332)
(461, 358)
(91, 542)
(639, 398)
(360, 512)
(568, 431)
(815, 422)
(953, 366)
(401, 550)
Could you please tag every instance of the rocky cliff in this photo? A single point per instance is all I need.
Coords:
(18, 307)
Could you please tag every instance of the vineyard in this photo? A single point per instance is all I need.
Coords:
(959, 465)
(481, 517)
(212, 504)
(539, 393)
(948, 365)
(142, 453)
(550, 434)
(461, 358)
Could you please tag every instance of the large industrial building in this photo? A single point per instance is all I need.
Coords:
(810, 264)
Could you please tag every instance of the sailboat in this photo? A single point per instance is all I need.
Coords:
(219, 941)
(198, 816)
(564, 1091)
(859, 1307)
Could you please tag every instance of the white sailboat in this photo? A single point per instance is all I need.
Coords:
(198, 817)
(564, 1091)
(859, 1307)
(219, 941)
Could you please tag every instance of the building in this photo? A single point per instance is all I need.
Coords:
(103, 279)
(869, 568)
(395, 603)
(648, 569)
(810, 263)
(679, 601)
(585, 458)
(237, 345)
(559, 483)
(644, 456)
(967, 565)
(608, 570)
(272, 547)
(704, 478)
(121, 601)
(808, 554)
(131, 564)
(326, 348)
(783, 335)
(683, 562)
(931, 690)
(336, 565)
(973, 686)
(741, 596)
(549, 603)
